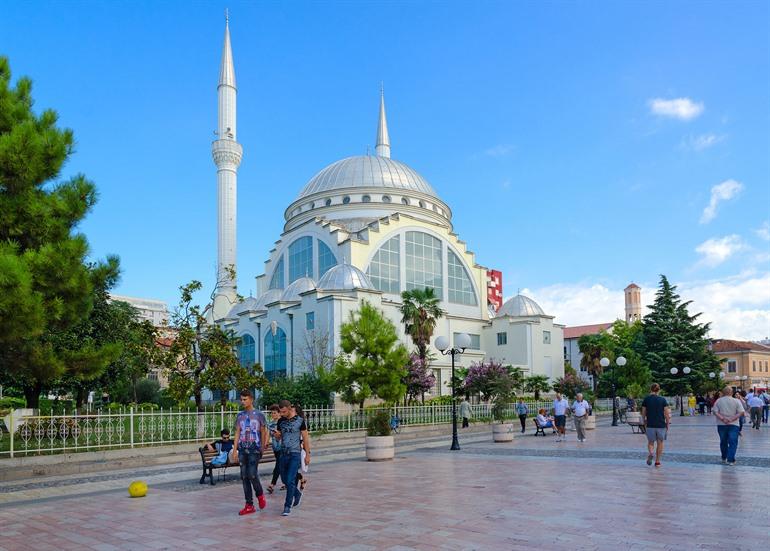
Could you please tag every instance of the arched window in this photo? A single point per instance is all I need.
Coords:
(385, 268)
(423, 263)
(460, 287)
(326, 259)
(328, 202)
(421, 203)
(366, 199)
(247, 351)
(405, 201)
(301, 258)
(386, 198)
(275, 354)
(345, 200)
(276, 281)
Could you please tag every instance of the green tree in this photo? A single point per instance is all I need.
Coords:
(45, 285)
(203, 355)
(671, 337)
(594, 348)
(374, 364)
(308, 390)
(420, 311)
(537, 384)
(624, 340)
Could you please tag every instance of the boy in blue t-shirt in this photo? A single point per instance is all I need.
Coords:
(250, 439)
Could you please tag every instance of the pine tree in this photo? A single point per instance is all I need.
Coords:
(46, 289)
(671, 337)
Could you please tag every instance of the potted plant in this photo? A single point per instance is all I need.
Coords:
(379, 441)
(634, 391)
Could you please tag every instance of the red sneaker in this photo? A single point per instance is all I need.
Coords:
(262, 501)
(247, 510)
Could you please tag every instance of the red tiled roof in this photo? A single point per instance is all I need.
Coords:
(633, 286)
(580, 330)
(727, 345)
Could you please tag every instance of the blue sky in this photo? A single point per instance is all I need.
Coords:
(579, 144)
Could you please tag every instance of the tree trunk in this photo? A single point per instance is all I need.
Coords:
(32, 394)
(80, 397)
(537, 394)
(198, 400)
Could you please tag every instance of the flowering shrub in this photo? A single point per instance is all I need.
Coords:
(570, 385)
(419, 379)
(482, 376)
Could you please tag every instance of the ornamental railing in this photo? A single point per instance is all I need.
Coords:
(132, 428)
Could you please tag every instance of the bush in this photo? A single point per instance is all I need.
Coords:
(147, 390)
(55, 407)
(165, 400)
(306, 390)
(146, 405)
(378, 423)
(10, 402)
(445, 400)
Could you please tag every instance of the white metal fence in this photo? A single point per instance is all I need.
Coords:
(131, 428)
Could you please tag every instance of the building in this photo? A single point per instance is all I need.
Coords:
(746, 364)
(364, 228)
(572, 352)
(633, 294)
(154, 311)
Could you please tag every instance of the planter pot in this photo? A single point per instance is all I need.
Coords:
(591, 422)
(502, 432)
(380, 448)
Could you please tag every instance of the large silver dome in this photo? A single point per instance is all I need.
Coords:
(344, 277)
(367, 171)
(520, 306)
(296, 288)
(246, 305)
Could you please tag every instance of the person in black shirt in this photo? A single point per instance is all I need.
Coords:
(657, 417)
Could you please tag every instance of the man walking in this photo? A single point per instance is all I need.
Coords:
(580, 408)
(465, 411)
(250, 437)
(522, 410)
(755, 403)
(560, 407)
(766, 406)
(727, 411)
(656, 416)
(292, 431)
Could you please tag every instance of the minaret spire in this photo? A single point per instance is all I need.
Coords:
(383, 140)
(227, 153)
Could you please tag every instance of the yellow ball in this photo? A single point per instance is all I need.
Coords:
(138, 488)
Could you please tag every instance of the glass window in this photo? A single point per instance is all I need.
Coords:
(460, 287)
(247, 351)
(366, 199)
(424, 267)
(276, 281)
(300, 258)
(326, 259)
(475, 340)
(386, 198)
(546, 337)
(310, 321)
(502, 339)
(328, 202)
(275, 354)
(731, 366)
(405, 201)
(384, 269)
(753, 365)
(345, 200)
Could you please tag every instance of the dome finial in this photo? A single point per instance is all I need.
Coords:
(383, 140)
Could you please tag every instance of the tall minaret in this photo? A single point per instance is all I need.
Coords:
(383, 140)
(227, 154)
(633, 303)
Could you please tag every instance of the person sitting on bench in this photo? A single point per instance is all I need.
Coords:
(545, 422)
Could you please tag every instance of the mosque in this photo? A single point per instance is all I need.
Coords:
(363, 228)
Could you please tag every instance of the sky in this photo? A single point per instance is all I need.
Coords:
(580, 145)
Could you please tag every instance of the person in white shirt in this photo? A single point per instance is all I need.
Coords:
(755, 404)
(560, 407)
(545, 422)
(580, 408)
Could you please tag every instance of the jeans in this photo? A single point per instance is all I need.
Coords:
(249, 456)
(290, 464)
(741, 420)
(465, 422)
(276, 467)
(523, 421)
(580, 426)
(728, 441)
(765, 412)
(756, 417)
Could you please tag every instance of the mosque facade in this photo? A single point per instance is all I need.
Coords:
(363, 228)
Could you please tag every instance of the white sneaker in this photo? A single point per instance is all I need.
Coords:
(558, 439)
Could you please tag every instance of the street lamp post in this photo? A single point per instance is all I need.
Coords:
(685, 371)
(462, 341)
(605, 362)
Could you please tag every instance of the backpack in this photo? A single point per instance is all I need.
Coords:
(220, 459)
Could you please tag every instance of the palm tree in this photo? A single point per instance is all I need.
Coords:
(419, 313)
(537, 384)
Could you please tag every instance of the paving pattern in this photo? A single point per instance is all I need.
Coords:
(532, 494)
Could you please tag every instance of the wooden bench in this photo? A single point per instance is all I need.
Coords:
(208, 469)
(637, 427)
(540, 429)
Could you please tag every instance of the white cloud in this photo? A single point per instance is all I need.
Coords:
(715, 251)
(703, 141)
(738, 306)
(500, 150)
(680, 108)
(763, 232)
(720, 192)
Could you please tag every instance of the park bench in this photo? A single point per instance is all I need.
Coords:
(208, 468)
(636, 422)
(540, 429)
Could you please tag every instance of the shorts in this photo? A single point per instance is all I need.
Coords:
(561, 420)
(654, 433)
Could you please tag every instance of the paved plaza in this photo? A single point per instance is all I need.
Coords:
(533, 493)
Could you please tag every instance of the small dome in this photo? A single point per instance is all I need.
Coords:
(246, 305)
(520, 306)
(367, 171)
(344, 277)
(272, 295)
(296, 288)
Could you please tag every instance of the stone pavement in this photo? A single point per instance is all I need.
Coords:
(533, 493)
